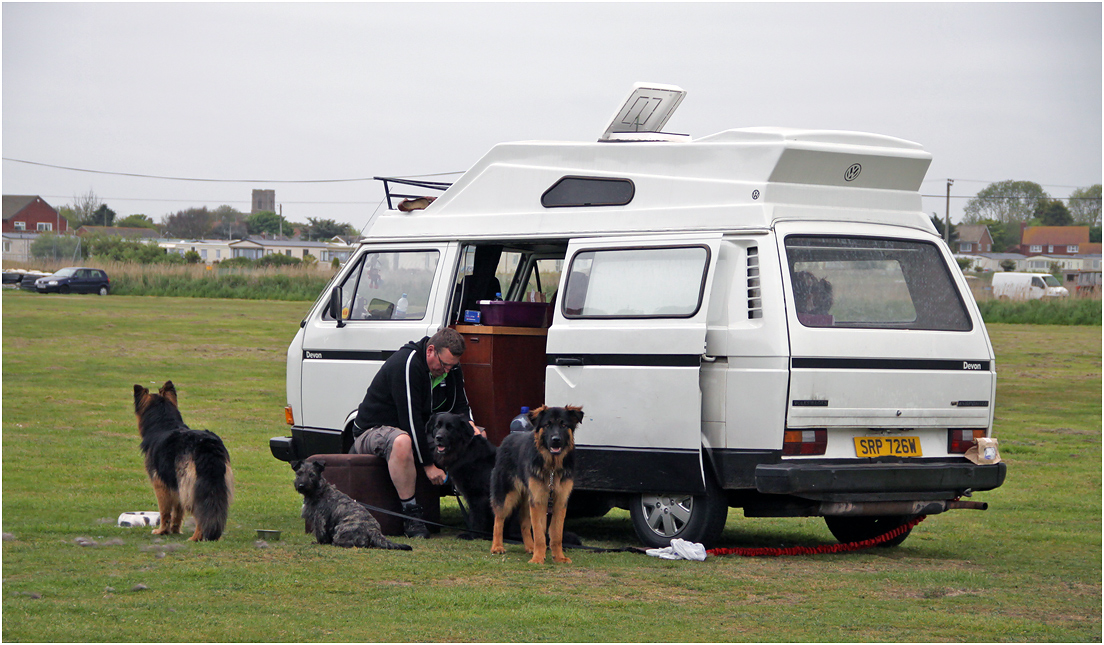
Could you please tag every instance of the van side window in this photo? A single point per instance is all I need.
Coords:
(588, 191)
(873, 283)
(636, 283)
(389, 285)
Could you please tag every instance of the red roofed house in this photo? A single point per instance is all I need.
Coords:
(30, 214)
(1057, 240)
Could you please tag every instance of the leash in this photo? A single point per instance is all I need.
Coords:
(464, 529)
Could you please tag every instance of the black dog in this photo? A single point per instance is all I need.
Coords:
(468, 459)
(335, 517)
(530, 468)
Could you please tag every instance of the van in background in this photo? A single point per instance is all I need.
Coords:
(1027, 286)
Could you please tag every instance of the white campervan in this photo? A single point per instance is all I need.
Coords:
(761, 318)
(1027, 286)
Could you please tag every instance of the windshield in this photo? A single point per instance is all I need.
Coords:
(65, 273)
(1052, 281)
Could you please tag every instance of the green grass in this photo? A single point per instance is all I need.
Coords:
(1028, 569)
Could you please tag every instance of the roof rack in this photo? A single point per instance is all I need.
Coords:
(387, 181)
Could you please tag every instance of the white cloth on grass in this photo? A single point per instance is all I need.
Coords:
(680, 550)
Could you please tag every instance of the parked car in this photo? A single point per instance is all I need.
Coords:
(75, 280)
(1027, 286)
(27, 279)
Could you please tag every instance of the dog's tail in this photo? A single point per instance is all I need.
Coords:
(214, 486)
(380, 542)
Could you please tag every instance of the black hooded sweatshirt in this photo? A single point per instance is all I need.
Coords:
(400, 396)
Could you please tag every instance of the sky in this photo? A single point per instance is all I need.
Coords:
(269, 96)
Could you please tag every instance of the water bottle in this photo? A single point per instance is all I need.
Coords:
(521, 422)
(400, 308)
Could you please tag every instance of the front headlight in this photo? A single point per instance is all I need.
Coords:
(53, 283)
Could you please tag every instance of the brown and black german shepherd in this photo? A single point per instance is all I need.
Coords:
(529, 468)
(189, 469)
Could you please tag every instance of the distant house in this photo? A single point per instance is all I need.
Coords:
(973, 239)
(136, 232)
(1057, 240)
(31, 214)
(256, 248)
(210, 251)
(17, 246)
(992, 261)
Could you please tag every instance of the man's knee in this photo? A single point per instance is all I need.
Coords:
(402, 447)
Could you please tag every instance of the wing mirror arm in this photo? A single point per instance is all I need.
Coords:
(335, 306)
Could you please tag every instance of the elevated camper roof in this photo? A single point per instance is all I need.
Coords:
(636, 178)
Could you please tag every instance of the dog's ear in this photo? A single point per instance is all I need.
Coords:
(319, 464)
(575, 414)
(168, 390)
(295, 465)
(139, 394)
(432, 422)
(534, 415)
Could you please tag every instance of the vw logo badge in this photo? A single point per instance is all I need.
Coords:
(755, 194)
(852, 172)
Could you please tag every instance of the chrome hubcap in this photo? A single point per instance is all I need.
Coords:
(667, 515)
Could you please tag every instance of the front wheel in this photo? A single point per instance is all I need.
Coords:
(865, 527)
(659, 518)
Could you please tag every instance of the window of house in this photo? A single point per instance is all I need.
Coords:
(964, 247)
(380, 283)
(20, 226)
(1072, 248)
(873, 283)
(7, 247)
(45, 226)
(203, 253)
(1036, 248)
(599, 283)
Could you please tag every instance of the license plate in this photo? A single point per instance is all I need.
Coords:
(887, 447)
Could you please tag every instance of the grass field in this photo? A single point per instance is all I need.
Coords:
(1028, 569)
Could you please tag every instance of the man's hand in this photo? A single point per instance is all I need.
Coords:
(479, 431)
(435, 474)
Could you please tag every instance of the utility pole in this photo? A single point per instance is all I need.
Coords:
(281, 207)
(947, 224)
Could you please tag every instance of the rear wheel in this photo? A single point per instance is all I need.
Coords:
(103, 290)
(865, 527)
(659, 518)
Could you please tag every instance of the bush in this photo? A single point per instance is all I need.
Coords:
(1066, 311)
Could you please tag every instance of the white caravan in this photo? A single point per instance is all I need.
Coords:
(762, 318)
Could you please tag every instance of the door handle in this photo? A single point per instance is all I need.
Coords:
(565, 361)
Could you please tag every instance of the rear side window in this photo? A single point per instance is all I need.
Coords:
(388, 285)
(853, 282)
(636, 283)
(588, 191)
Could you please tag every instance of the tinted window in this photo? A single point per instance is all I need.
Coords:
(588, 191)
(875, 283)
(636, 283)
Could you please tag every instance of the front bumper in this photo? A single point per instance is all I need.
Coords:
(828, 480)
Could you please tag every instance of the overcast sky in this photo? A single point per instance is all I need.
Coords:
(263, 91)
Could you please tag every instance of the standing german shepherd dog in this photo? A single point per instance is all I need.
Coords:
(189, 469)
(531, 467)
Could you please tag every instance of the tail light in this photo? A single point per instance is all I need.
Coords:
(805, 442)
(289, 416)
(959, 441)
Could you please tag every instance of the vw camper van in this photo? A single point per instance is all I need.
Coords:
(762, 318)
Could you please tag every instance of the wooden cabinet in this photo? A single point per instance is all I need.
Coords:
(503, 371)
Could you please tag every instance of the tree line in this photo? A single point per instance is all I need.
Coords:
(224, 222)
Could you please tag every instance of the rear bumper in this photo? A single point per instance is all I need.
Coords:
(877, 481)
(305, 442)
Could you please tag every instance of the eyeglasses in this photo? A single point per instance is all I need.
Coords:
(448, 366)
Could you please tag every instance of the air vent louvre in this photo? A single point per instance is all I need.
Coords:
(754, 292)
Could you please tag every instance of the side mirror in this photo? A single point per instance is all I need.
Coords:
(335, 306)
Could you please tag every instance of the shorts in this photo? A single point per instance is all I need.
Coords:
(376, 441)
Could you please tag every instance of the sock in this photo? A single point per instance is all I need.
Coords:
(407, 503)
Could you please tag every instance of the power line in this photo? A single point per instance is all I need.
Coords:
(231, 181)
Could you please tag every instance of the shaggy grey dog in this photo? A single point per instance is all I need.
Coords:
(335, 517)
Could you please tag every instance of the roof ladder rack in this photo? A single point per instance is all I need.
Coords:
(387, 181)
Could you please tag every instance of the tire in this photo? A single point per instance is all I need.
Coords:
(659, 518)
(64, 289)
(865, 527)
(102, 290)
